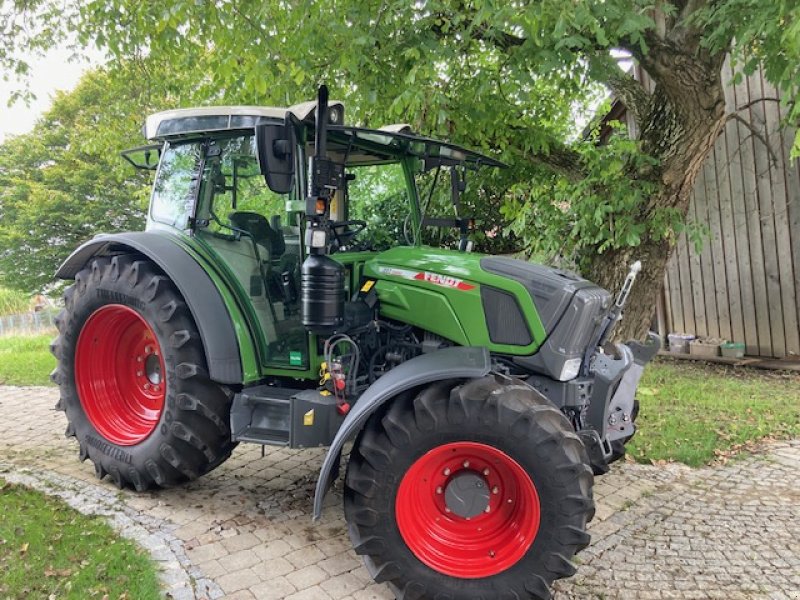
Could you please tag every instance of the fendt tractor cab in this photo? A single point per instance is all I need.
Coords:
(481, 393)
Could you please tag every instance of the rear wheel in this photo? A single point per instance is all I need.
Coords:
(133, 380)
(474, 490)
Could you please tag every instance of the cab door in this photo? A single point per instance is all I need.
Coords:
(244, 224)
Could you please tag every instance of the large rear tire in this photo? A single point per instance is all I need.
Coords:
(133, 378)
(469, 491)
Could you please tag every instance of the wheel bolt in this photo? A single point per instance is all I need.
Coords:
(139, 359)
(487, 509)
(147, 386)
(446, 472)
(486, 472)
(495, 490)
(439, 490)
(466, 464)
(139, 373)
(510, 501)
(447, 509)
(155, 353)
(148, 349)
(491, 553)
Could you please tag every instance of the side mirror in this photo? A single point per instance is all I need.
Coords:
(276, 146)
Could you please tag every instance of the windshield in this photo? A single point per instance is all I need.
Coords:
(377, 195)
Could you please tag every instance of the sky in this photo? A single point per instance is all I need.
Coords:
(54, 71)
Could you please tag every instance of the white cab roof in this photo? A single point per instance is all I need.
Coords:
(216, 118)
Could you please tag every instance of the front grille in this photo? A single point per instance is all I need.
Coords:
(504, 319)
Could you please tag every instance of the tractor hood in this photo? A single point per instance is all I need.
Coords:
(510, 306)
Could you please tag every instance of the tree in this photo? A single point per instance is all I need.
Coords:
(506, 77)
(65, 181)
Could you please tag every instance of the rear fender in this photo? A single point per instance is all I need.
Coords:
(204, 300)
(458, 362)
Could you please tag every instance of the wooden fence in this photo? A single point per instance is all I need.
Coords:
(744, 284)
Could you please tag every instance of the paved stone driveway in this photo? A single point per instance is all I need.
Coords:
(244, 531)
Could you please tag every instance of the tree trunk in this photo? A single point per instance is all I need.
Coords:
(685, 117)
(609, 270)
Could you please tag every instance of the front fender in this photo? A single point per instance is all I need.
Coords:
(210, 314)
(458, 362)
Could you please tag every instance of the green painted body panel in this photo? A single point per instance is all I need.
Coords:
(247, 324)
(445, 298)
(436, 305)
(237, 309)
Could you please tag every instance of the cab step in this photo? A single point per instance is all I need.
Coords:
(279, 416)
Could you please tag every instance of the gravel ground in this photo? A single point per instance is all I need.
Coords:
(245, 532)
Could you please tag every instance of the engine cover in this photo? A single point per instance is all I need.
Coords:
(569, 306)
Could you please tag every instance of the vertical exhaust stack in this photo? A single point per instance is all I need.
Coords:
(321, 278)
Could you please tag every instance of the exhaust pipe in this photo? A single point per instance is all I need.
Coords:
(321, 277)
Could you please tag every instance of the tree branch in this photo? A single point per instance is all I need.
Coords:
(627, 89)
(747, 105)
(561, 160)
(756, 134)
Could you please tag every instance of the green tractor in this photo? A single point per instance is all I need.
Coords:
(481, 394)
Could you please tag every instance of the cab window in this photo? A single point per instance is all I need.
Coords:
(175, 188)
(245, 223)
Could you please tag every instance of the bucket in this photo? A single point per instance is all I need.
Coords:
(732, 349)
(679, 342)
(705, 347)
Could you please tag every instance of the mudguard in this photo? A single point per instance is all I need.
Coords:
(460, 362)
(202, 297)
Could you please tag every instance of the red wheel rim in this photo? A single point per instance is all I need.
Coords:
(119, 373)
(468, 547)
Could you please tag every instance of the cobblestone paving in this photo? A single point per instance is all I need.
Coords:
(244, 531)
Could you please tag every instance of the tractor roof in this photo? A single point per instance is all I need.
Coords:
(182, 122)
(359, 145)
(374, 146)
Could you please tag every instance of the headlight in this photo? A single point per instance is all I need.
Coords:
(570, 369)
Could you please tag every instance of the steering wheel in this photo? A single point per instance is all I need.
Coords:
(344, 238)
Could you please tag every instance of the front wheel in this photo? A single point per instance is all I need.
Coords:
(133, 379)
(469, 490)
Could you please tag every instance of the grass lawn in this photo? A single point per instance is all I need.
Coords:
(693, 413)
(26, 360)
(47, 549)
(690, 412)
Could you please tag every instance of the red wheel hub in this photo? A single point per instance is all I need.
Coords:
(467, 510)
(119, 373)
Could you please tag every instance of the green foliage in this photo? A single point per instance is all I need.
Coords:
(593, 214)
(50, 550)
(695, 414)
(515, 79)
(26, 360)
(64, 182)
(61, 184)
(13, 302)
(769, 36)
(378, 196)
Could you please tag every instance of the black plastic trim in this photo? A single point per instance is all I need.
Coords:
(504, 318)
(460, 362)
(202, 297)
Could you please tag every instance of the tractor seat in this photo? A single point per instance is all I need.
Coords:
(258, 226)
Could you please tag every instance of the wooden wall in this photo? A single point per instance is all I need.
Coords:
(744, 284)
